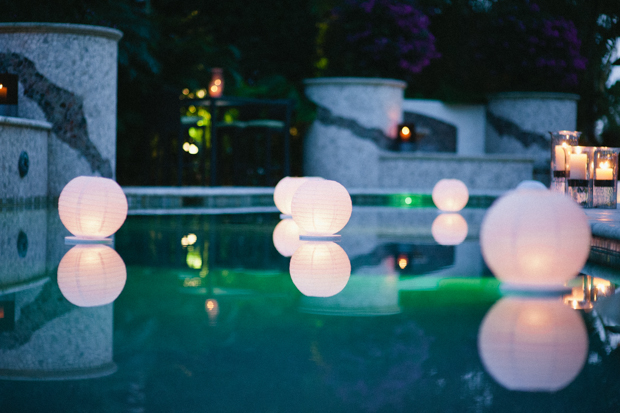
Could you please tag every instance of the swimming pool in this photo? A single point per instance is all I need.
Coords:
(209, 319)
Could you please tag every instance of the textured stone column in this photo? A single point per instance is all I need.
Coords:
(519, 123)
(67, 77)
(354, 117)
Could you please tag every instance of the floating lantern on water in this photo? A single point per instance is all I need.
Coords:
(449, 229)
(450, 195)
(321, 208)
(286, 237)
(532, 238)
(320, 269)
(531, 184)
(91, 275)
(531, 344)
(284, 191)
(92, 208)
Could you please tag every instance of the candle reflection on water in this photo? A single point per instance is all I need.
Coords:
(533, 344)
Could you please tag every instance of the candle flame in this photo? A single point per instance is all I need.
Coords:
(604, 165)
(578, 150)
(1, 86)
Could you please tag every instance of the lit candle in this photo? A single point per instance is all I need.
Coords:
(604, 172)
(560, 160)
(578, 166)
(2, 92)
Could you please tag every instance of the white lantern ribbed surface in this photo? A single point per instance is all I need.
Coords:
(91, 275)
(320, 269)
(530, 344)
(92, 207)
(450, 195)
(284, 191)
(449, 229)
(535, 238)
(286, 237)
(321, 207)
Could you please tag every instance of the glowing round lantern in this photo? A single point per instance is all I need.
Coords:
(320, 269)
(449, 229)
(529, 344)
(286, 237)
(321, 207)
(284, 191)
(535, 238)
(531, 184)
(91, 275)
(92, 207)
(450, 195)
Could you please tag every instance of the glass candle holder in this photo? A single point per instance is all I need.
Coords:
(579, 170)
(605, 178)
(560, 143)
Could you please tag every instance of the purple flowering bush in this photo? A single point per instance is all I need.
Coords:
(522, 49)
(375, 38)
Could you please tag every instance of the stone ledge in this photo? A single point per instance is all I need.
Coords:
(63, 28)
(25, 123)
(361, 81)
(418, 156)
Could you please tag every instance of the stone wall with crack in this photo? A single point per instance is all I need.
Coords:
(68, 78)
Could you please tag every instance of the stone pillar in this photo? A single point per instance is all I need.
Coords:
(355, 116)
(67, 77)
(519, 123)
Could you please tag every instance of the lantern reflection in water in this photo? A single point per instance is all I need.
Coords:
(91, 275)
(533, 344)
(320, 268)
(449, 229)
(286, 237)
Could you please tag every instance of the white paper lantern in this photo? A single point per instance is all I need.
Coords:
(92, 207)
(320, 269)
(286, 237)
(284, 191)
(450, 195)
(531, 184)
(91, 275)
(535, 238)
(449, 229)
(529, 344)
(321, 207)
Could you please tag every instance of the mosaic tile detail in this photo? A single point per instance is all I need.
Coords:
(506, 127)
(63, 109)
(375, 135)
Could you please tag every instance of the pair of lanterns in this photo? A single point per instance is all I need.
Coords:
(319, 207)
(92, 209)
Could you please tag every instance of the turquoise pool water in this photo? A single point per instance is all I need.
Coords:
(209, 320)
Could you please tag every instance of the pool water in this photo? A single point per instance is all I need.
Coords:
(210, 320)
